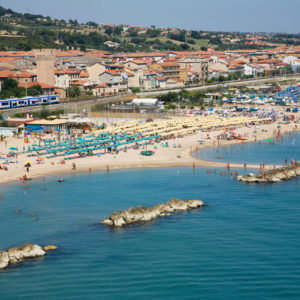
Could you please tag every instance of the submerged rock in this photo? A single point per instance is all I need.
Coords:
(144, 214)
(50, 248)
(19, 254)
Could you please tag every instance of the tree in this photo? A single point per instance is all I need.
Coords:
(215, 41)
(92, 24)
(135, 89)
(108, 30)
(3, 123)
(195, 35)
(132, 33)
(117, 30)
(35, 90)
(44, 113)
(73, 91)
(185, 47)
(153, 33)
(9, 84)
(184, 94)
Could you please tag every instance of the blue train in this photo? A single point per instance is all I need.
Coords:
(29, 101)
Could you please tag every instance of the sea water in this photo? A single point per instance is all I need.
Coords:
(244, 244)
(271, 151)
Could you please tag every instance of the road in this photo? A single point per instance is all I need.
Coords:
(118, 98)
(223, 84)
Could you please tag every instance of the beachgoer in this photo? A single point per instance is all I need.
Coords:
(74, 166)
(107, 168)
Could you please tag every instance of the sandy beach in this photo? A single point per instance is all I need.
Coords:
(164, 156)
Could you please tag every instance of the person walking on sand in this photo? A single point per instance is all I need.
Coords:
(74, 166)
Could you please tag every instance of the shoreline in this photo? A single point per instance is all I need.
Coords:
(169, 158)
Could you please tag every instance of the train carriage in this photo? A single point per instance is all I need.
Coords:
(29, 101)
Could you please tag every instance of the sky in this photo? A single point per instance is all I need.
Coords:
(212, 15)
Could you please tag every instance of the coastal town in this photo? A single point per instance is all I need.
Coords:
(147, 161)
(100, 73)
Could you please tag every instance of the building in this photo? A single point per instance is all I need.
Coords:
(47, 88)
(168, 69)
(191, 65)
(45, 65)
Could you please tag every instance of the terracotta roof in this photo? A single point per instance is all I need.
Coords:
(101, 85)
(84, 74)
(113, 73)
(8, 59)
(43, 85)
(79, 82)
(169, 64)
(23, 74)
(138, 61)
(6, 73)
(192, 71)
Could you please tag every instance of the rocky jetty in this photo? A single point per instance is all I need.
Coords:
(19, 254)
(272, 176)
(144, 214)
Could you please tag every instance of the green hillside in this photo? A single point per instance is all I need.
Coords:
(26, 31)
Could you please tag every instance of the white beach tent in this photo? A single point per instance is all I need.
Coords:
(146, 101)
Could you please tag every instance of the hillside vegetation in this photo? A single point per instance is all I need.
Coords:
(27, 31)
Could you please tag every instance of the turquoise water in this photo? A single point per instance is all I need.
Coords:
(244, 245)
(262, 152)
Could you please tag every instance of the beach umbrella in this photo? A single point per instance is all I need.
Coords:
(28, 162)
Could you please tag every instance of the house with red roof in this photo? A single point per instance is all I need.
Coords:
(47, 88)
(114, 80)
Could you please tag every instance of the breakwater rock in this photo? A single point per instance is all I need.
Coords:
(272, 176)
(144, 214)
(19, 254)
